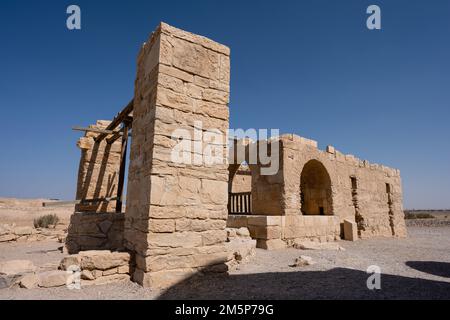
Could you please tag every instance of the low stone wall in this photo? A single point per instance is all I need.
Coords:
(86, 268)
(318, 228)
(11, 233)
(99, 267)
(277, 232)
(95, 231)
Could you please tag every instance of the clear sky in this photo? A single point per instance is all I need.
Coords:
(305, 67)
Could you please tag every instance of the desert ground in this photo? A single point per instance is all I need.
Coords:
(417, 267)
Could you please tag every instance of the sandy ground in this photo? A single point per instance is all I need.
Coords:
(412, 268)
(22, 212)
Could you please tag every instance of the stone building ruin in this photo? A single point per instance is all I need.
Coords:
(176, 216)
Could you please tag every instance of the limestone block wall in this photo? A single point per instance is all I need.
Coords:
(379, 211)
(98, 171)
(242, 181)
(315, 191)
(95, 231)
(267, 190)
(176, 212)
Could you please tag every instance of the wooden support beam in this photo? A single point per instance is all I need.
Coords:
(116, 136)
(106, 132)
(121, 116)
(123, 162)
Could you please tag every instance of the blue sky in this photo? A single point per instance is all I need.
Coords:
(305, 67)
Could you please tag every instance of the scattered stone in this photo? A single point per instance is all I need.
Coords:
(13, 267)
(243, 232)
(103, 260)
(87, 275)
(8, 237)
(29, 281)
(23, 231)
(52, 279)
(302, 261)
(8, 281)
(231, 233)
(72, 260)
(310, 245)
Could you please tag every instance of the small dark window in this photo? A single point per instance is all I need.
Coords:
(354, 183)
(322, 211)
(388, 188)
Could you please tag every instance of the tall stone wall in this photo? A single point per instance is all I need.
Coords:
(98, 172)
(377, 210)
(344, 188)
(176, 212)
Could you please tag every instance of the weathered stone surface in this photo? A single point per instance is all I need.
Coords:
(69, 261)
(9, 281)
(95, 231)
(98, 171)
(240, 250)
(29, 281)
(123, 270)
(113, 278)
(162, 279)
(274, 244)
(52, 279)
(87, 275)
(105, 226)
(16, 267)
(243, 232)
(103, 260)
(310, 245)
(23, 231)
(8, 237)
(302, 261)
(350, 230)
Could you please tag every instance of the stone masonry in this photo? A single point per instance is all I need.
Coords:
(316, 191)
(176, 213)
(98, 171)
(176, 221)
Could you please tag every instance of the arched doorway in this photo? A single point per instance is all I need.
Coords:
(240, 189)
(315, 189)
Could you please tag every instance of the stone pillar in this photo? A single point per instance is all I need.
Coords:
(176, 212)
(98, 173)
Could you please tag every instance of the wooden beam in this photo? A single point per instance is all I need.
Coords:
(121, 116)
(116, 136)
(107, 132)
(123, 162)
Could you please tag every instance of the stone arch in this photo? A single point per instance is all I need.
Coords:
(241, 180)
(316, 194)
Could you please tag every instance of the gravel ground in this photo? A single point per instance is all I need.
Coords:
(414, 268)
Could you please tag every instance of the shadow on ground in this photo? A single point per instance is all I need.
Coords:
(339, 283)
(441, 269)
